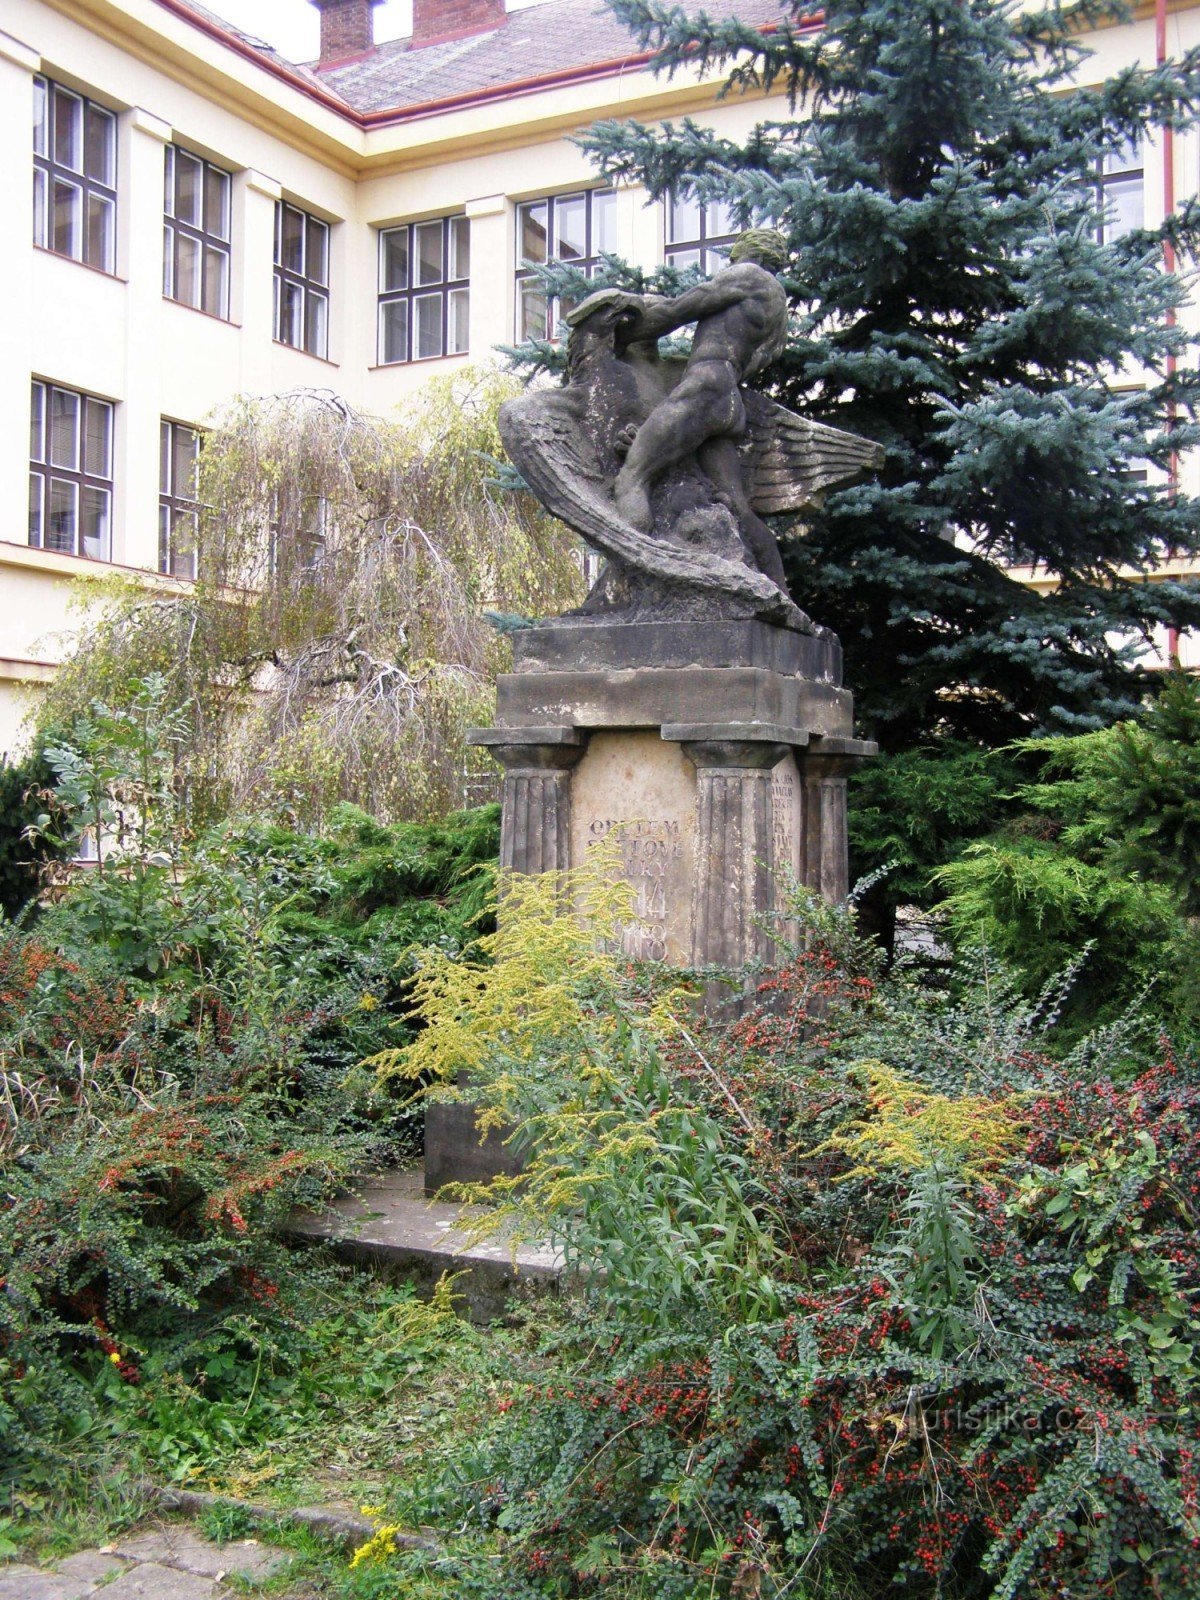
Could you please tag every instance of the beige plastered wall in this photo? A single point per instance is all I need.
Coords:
(119, 338)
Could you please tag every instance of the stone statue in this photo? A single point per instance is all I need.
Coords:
(667, 466)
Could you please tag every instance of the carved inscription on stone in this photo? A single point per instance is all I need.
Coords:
(785, 819)
(637, 788)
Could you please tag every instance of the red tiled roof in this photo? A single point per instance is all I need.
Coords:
(531, 43)
(555, 38)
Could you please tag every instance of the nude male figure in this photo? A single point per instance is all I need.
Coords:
(741, 326)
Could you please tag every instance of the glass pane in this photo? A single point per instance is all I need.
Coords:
(1127, 159)
(164, 457)
(39, 206)
(681, 259)
(460, 247)
(37, 413)
(393, 259)
(216, 202)
(317, 269)
(427, 315)
(62, 517)
(1123, 207)
(393, 331)
(95, 522)
(683, 219)
(66, 237)
(316, 324)
(35, 508)
(164, 536)
(531, 232)
(169, 262)
(187, 269)
(427, 245)
(189, 188)
(604, 222)
(100, 217)
(64, 428)
(291, 313)
(68, 130)
(531, 312)
(169, 181)
(458, 311)
(717, 257)
(718, 219)
(39, 117)
(100, 146)
(216, 281)
(291, 240)
(97, 441)
(183, 544)
(570, 219)
(185, 455)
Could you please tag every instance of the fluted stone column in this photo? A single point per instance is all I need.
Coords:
(734, 888)
(535, 828)
(824, 851)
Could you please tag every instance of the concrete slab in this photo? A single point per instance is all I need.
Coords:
(151, 1581)
(183, 1549)
(18, 1582)
(91, 1566)
(390, 1225)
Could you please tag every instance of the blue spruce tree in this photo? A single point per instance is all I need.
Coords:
(961, 296)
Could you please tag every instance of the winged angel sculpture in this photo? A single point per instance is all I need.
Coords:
(668, 466)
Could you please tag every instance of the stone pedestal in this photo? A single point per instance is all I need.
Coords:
(716, 754)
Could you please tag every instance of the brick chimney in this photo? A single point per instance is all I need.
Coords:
(453, 19)
(347, 29)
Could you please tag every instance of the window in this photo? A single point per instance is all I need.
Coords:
(70, 472)
(196, 207)
(699, 233)
(1120, 193)
(178, 502)
(74, 175)
(573, 228)
(297, 550)
(424, 297)
(301, 280)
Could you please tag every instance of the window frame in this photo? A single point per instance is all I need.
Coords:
(587, 263)
(174, 507)
(1107, 178)
(45, 472)
(704, 244)
(310, 288)
(53, 171)
(207, 239)
(446, 288)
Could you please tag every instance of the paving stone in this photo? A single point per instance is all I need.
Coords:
(32, 1583)
(152, 1581)
(91, 1566)
(185, 1550)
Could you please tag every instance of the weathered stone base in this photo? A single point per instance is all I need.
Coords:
(716, 756)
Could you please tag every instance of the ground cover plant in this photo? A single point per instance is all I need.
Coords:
(885, 1288)
(182, 1027)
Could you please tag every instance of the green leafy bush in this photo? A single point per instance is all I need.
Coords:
(180, 1044)
(962, 1355)
(21, 786)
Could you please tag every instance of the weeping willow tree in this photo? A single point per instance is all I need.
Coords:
(335, 643)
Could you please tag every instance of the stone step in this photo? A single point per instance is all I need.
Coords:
(389, 1225)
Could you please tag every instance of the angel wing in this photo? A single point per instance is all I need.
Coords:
(545, 439)
(793, 461)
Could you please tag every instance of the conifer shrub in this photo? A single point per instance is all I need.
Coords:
(885, 1288)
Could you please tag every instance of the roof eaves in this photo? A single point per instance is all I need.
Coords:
(397, 114)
